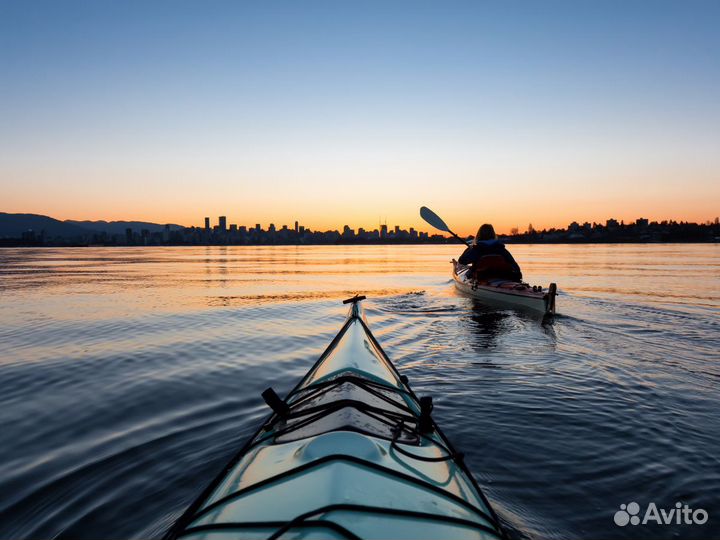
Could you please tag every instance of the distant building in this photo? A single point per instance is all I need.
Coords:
(383, 231)
(641, 222)
(233, 227)
(28, 236)
(207, 223)
(297, 225)
(271, 228)
(222, 223)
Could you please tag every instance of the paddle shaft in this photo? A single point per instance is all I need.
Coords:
(458, 238)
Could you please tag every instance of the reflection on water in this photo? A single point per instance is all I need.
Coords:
(486, 324)
(128, 376)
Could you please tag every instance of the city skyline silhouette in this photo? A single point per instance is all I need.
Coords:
(30, 229)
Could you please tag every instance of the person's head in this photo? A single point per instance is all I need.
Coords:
(485, 232)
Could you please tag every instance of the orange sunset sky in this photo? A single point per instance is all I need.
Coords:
(333, 115)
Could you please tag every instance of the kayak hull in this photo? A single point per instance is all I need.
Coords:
(351, 452)
(510, 294)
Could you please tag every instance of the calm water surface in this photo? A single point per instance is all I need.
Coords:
(129, 376)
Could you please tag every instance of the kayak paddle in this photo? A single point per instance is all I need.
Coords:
(436, 221)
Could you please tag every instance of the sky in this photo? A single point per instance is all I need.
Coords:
(335, 113)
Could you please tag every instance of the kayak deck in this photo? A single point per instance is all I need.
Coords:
(505, 293)
(351, 452)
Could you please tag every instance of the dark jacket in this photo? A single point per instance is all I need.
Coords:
(490, 260)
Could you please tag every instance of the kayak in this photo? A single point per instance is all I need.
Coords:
(351, 452)
(505, 293)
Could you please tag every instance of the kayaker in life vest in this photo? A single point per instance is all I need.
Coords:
(489, 258)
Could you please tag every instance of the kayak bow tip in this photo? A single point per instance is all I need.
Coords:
(355, 310)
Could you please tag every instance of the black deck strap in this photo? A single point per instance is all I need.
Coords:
(447, 495)
(276, 404)
(395, 446)
(317, 389)
(397, 432)
(355, 299)
(334, 406)
(347, 377)
(396, 512)
(425, 423)
(398, 429)
(307, 524)
(311, 415)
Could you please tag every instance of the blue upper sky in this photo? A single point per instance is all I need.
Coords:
(538, 97)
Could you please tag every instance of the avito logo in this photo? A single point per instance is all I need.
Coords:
(680, 515)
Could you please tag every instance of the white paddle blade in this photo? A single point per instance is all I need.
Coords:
(433, 219)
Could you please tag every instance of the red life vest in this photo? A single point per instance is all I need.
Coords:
(492, 265)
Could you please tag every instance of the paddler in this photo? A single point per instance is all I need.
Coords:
(489, 258)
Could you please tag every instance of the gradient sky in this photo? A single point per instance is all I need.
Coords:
(346, 112)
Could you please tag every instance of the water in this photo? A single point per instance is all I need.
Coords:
(129, 376)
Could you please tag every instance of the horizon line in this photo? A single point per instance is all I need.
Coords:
(430, 229)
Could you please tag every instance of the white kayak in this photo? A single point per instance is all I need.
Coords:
(505, 293)
(350, 453)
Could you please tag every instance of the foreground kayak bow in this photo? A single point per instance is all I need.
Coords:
(351, 452)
